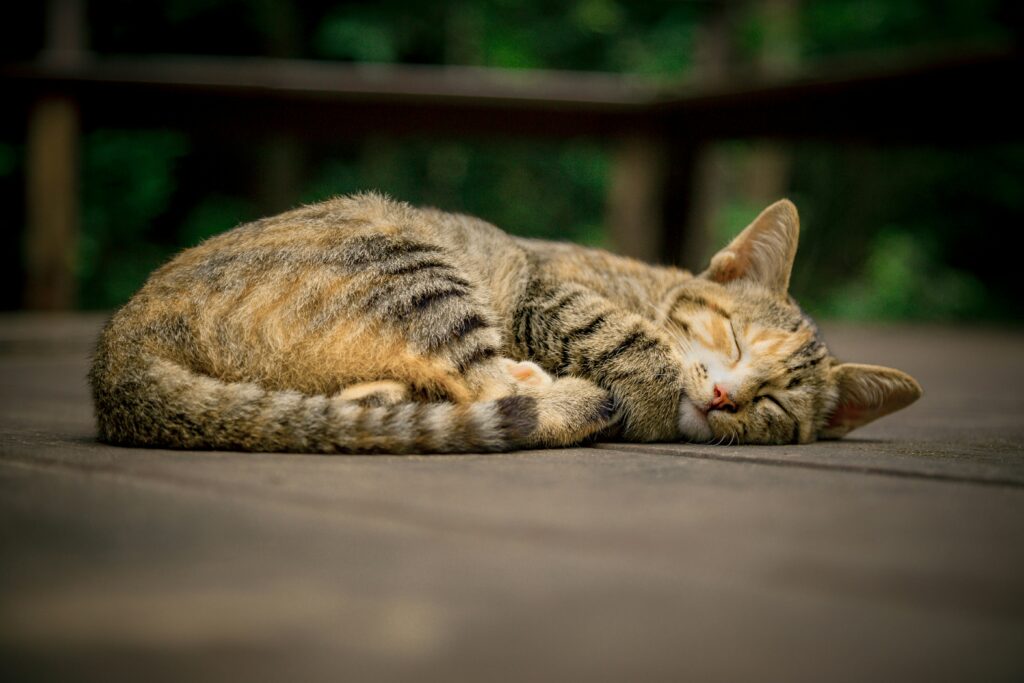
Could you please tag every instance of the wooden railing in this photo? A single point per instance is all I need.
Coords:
(657, 133)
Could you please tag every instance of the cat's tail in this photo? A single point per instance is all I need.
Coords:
(164, 404)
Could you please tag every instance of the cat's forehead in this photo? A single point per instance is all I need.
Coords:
(783, 331)
(701, 295)
(772, 340)
(775, 332)
(746, 303)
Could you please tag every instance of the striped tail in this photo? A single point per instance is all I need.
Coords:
(167, 405)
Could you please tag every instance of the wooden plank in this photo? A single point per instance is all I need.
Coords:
(886, 98)
(946, 98)
(51, 231)
(51, 238)
(995, 464)
(636, 194)
(65, 41)
(596, 564)
(338, 101)
(306, 79)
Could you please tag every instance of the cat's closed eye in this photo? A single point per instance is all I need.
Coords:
(738, 352)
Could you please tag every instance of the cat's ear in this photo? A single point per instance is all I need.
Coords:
(866, 393)
(763, 253)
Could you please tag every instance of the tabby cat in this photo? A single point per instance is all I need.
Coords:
(363, 325)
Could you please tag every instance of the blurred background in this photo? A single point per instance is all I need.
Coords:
(656, 128)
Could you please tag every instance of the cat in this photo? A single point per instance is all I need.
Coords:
(362, 324)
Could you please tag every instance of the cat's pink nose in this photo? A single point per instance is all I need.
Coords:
(721, 401)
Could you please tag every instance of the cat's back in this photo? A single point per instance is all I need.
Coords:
(282, 292)
(303, 238)
(325, 242)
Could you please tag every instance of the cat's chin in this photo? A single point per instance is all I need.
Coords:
(693, 423)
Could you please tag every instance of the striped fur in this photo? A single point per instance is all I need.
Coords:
(363, 325)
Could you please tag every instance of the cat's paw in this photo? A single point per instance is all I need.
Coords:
(570, 410)
(526, 374)
(382, 393)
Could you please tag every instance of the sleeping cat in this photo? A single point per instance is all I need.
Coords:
(362, 324)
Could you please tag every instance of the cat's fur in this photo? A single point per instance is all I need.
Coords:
(361, 324)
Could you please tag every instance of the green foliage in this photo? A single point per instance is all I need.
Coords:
(8, 160)
(358, 38)
(908, 232)
(653, 38)
(836, 27)
(506, 183)
(887, 232)
(127, 183)
(214, 214)
(901, 280)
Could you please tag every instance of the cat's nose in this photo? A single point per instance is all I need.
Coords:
(721, 401)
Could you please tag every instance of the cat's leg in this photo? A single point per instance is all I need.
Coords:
(571, 330)
(504, 377)
(569, 409)
(419, 291)
(416, 290)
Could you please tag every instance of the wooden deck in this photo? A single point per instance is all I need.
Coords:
(895, 555)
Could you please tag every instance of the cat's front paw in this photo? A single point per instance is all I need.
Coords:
(370, 394)
(527, 374)
(648, 408)
(570, 410)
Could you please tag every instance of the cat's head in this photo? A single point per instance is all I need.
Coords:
(756, 368)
